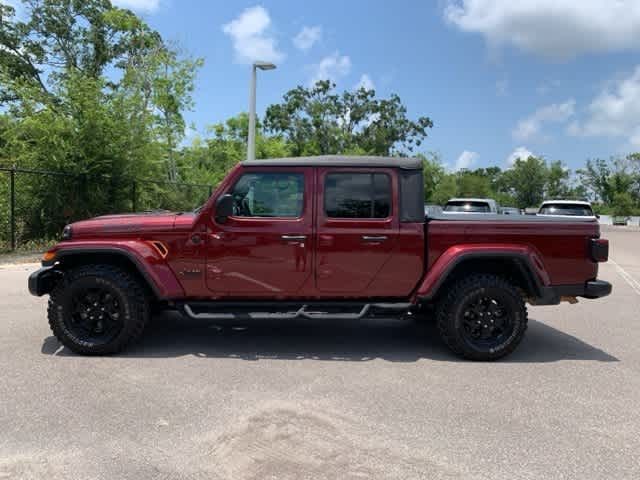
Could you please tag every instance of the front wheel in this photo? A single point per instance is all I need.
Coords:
(482, 317)
(97, 309)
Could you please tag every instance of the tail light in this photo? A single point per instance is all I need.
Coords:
(599, 249)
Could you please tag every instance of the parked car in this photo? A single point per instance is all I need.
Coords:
(471, 205)
(566, 208)
(431, 210)
(510, 211)
(319, 238)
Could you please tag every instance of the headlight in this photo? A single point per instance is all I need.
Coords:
(66, 233)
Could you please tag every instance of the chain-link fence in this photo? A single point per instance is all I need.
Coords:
(35, 205)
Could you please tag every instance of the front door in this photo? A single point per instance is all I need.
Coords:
(357, 228)
(265, 247)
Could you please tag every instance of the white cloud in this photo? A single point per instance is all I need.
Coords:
(520, 152)
(465, 160)
(251, 37)
(147, 6)
(614, 112)
(307, 37)
(530, 127)
(551, 28)
(365, 82)
(331, 68)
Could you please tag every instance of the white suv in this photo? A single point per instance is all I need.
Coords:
(566, 208)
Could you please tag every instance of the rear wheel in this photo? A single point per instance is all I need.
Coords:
(98, 309)
(482, 317)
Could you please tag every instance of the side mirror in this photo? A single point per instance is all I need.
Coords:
(224, 208)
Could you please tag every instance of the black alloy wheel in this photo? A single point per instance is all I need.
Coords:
(96, 315)
(486, 322)
(482, 317)
(98, 309)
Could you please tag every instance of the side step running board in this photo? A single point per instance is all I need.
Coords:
(211, 311)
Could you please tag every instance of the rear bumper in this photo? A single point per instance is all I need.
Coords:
(43, 280)
(591, 289)
(597, 289)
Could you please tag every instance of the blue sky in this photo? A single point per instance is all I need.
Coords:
(554, 77)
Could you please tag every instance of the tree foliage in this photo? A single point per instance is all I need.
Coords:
(319, 121)
(603, 179)
(88, 89)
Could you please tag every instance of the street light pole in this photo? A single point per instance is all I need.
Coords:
(251, 141)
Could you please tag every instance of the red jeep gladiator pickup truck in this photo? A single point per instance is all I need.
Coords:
(321, 237)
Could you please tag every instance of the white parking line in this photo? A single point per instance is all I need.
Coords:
(633, 283)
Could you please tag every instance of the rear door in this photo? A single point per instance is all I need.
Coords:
(357, 227)
(265, 247)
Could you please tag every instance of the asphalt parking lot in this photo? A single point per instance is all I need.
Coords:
(327, 400)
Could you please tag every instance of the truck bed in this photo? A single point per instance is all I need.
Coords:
(493, 217)
(561, 245)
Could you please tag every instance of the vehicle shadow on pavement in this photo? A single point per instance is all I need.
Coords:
(392, 339)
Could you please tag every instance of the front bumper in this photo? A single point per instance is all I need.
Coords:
(592, 289)
(43, 280)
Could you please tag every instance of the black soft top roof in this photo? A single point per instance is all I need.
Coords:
(405, 163)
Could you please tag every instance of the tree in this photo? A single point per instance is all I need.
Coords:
(209, 160)
(167, 83)
(526, 181)
(63, 37)
(89, 89)
(622, 204)
(603, 179)
(432, 172)
(444, 190)
(318, 121)
(557, 181)
(75, 42)
(471, 184)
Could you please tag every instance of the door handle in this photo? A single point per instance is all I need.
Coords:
(374, 238)
(294, 238)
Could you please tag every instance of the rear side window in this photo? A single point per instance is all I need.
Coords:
(357, 195)
(566, 209)
(268, 195)
(471, 207)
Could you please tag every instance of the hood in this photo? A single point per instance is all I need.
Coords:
(124, 224)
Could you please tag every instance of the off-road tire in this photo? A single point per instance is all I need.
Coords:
(131, 297)
(451, 315)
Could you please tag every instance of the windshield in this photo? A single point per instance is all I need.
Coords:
(471, 207)
(566, 209)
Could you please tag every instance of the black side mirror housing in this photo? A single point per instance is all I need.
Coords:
(224, 208)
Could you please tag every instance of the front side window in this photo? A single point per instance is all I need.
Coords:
(357, 195)
(268, 195)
